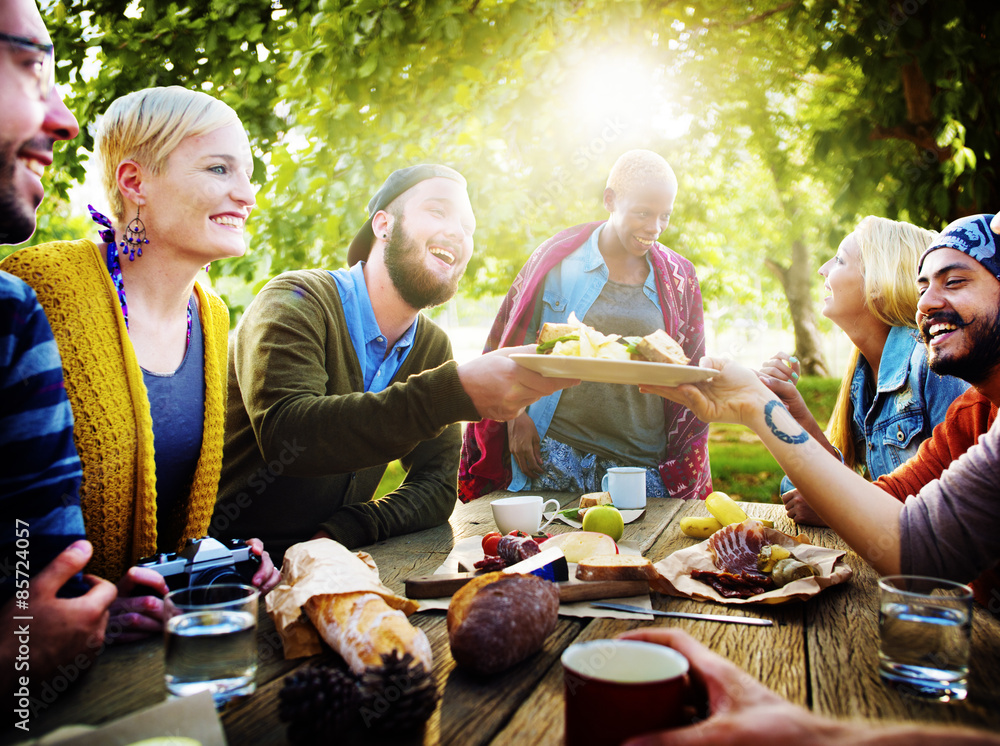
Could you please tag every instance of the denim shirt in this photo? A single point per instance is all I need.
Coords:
(572, 286)
(378, 366)
(910, 400)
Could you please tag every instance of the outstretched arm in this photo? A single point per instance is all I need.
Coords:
(866, 517)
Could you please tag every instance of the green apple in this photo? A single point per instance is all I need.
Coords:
(604, 519)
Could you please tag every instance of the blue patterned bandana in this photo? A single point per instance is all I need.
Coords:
(972, 236)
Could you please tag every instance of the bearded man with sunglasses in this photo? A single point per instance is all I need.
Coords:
(51, 615)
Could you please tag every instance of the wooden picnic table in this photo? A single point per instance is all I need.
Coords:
(822, 653)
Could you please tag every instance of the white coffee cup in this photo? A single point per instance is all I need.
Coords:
(627, 485)
(520, 513)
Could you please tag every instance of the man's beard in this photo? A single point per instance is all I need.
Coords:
(17, 218)
(416, 284)
(983, 356)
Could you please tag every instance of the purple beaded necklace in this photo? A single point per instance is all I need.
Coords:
(115, 267)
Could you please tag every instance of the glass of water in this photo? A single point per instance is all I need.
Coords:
(211, 641)
(925, 631)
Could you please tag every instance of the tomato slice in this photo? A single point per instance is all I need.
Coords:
(490, 542)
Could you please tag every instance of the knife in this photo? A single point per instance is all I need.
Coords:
(687, 615)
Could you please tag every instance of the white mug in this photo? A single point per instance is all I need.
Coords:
(520, 513)
(627, 485)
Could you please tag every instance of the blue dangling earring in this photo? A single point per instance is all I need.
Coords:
(134, 238)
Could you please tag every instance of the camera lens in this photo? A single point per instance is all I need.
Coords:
(217, 576)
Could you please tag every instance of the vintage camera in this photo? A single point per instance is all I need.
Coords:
(205, 561)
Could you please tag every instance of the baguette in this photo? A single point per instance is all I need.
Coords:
(497, 620)
(362, 627)
(615, 567)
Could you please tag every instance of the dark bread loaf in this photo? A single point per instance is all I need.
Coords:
(497, 620)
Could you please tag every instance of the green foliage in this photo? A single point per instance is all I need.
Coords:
(820, 395)
(766, 111)
(928, 133)
(742, 467)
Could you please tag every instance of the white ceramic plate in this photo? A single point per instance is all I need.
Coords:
(613, 371)
(628, 516)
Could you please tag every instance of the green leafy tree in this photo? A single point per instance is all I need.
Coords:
(778, 117)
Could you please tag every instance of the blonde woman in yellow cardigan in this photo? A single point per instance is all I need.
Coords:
(143, 344)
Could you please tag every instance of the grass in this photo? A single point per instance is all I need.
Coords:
(741, 466)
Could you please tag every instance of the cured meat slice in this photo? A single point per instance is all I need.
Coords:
(735, 547)
(513, 549)
(733, 585)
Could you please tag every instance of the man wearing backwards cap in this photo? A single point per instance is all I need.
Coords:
(332, 375)
(951, 529)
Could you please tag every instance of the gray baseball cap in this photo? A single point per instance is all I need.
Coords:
(397, 183)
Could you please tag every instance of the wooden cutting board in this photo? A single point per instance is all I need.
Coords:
(441, 586)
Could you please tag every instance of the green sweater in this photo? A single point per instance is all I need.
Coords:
(306, 448)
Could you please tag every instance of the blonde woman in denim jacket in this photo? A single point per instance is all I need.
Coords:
(889, 401)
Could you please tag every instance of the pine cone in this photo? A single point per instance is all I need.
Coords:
(318, 702)
(398, 696)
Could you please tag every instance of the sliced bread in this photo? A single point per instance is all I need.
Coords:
(615, 567)
(595, 498)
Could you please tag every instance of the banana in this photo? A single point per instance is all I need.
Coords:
(698, 527)
(726, 511)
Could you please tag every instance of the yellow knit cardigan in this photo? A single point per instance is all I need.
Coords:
(113, 428)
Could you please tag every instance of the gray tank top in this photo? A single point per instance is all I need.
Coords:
(608, 419)
(177, 405)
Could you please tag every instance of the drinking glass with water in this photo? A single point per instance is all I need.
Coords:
(211, 641)
(925, 630)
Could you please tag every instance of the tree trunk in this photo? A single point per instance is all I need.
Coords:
(796, 281)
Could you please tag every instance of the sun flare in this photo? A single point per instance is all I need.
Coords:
(627, 91)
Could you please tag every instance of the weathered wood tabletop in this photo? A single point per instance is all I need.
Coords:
(821, 653)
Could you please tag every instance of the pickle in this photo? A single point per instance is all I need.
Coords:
(770, 556)
(698, 527)
(726, 511)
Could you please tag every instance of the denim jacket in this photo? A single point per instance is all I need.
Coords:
(571, 286)
(910, 400)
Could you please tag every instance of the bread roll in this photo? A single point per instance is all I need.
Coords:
(498, 620)
(362, 627)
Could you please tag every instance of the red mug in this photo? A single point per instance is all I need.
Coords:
(617, 689)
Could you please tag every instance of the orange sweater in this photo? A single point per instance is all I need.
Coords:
(969, 416)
